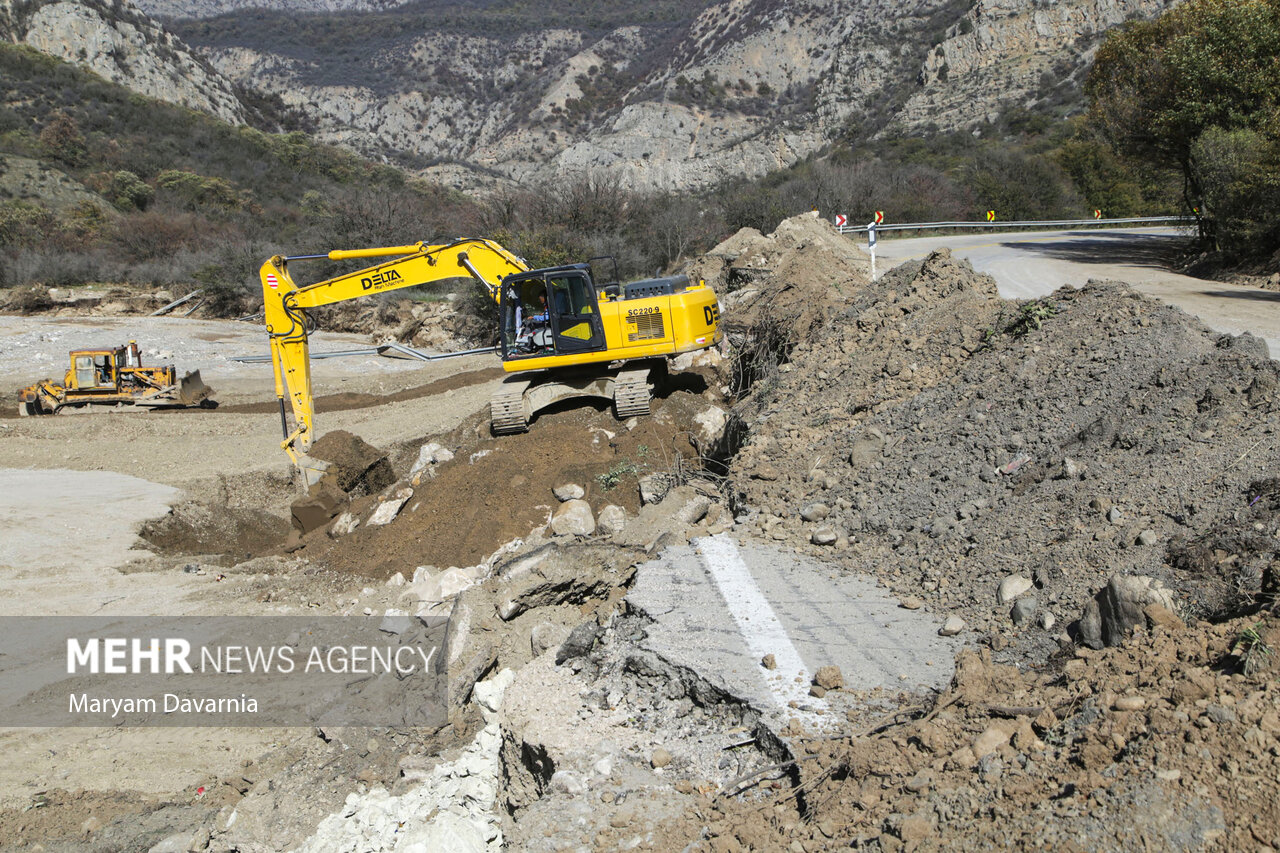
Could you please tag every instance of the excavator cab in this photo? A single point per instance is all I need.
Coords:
(550, 312)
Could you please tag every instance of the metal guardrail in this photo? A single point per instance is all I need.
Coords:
(1048, 223)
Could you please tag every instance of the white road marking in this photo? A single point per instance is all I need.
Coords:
(757, 623)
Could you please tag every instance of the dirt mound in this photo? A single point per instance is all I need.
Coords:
(793, 278)
(356, 467)
(494, 490)
(1166, 743)
(199, 528)
(956, 439)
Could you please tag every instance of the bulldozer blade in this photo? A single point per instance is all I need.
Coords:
(192, 391)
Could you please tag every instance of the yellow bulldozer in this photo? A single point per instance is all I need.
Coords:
(562, 332)
(114, 377)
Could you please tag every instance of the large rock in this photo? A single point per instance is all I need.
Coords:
(662, 522)
(442, 586)
(445, 831)
(1012, 587)
(573, 518)
(430, 454)
(1119, 607)
(612, 519)
(568, 492)
(390, 507)
(654, 487)
(711, 423)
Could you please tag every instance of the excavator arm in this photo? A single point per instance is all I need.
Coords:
(285, 305)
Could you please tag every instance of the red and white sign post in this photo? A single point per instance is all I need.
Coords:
(871, 240)
(841, 221)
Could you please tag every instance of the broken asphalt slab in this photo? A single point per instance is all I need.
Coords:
(719, 606)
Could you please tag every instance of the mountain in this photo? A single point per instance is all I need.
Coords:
(122, 45)
(665, 95)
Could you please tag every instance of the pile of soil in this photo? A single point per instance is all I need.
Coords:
(944, 439)
(1167, 743)
(495, 490)
(791, 280)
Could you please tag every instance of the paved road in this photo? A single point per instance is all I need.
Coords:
(720, 606)
(1033, 264)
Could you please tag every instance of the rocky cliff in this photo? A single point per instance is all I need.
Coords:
(1025, 51)
(124, 46)
(663, 96)
(212, 8)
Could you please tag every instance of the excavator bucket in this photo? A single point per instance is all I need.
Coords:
(192, 391)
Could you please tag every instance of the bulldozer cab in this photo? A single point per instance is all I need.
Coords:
(95, 368)
(550, 312)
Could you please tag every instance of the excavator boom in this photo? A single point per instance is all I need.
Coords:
(284, 303)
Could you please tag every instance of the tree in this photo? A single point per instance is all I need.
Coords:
(63, 141)
(1158, 87)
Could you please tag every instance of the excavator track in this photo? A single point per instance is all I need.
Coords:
(509, 409)
(631, 393)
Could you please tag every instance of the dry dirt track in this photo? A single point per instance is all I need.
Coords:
(1032, 265)
(62, 478)
(186, 448)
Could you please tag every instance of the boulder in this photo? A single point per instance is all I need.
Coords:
(1120, 606)
(612, 519)
(345, 523)
(440, 587)
(815, 512)
(1024, 610)
(823, 536)
(390, 507)
(573, 518)
(431, 453)
(395, 621)
(1012, 587)
(568, 492)
(829, 677)
(654, 487)
(547, 635)
(711, 423)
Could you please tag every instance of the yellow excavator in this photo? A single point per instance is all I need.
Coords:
(562, 334)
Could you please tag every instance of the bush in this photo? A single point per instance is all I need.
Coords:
(1198, 90)
(127, 191)
(62, 140)
(23, 223)
(156, 234)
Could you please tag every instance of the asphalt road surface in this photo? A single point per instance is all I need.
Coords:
(1028, 265)
(720, 606)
